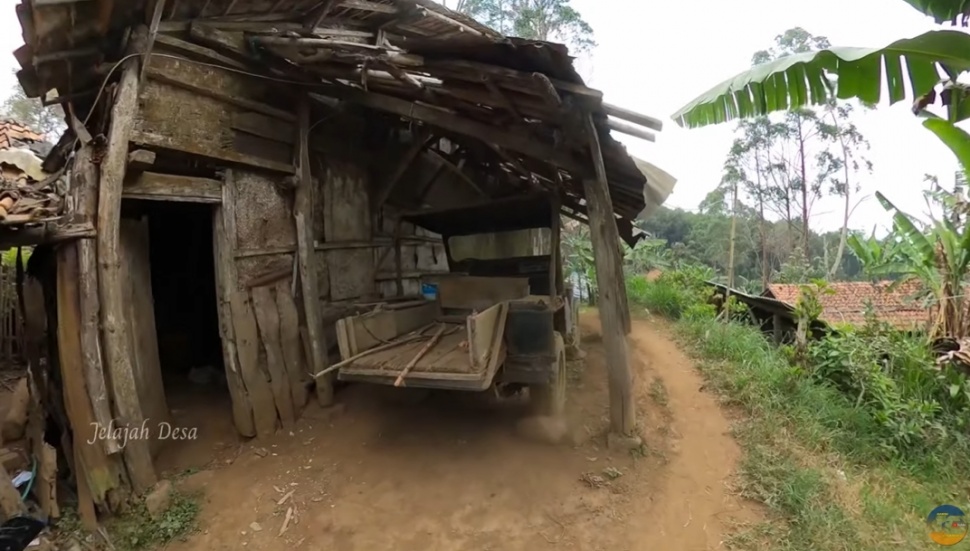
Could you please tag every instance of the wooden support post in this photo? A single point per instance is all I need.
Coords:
(116, 341)
(303, 213)
(609, 276)
(776, 331)
(398, 264)
(85, 178)
(555, 231)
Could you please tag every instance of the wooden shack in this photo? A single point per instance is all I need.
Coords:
(245, 164)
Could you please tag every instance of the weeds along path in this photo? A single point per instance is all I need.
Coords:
(451, 473)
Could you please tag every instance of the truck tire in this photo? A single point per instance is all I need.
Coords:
(550, 399)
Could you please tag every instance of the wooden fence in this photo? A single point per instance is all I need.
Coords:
(10, 348)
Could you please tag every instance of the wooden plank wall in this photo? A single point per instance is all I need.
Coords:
(263, 306)
(246, 128)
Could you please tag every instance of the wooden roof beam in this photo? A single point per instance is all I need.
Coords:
(459, 125)
(633, 116)
(364, 5)
(631, 130)
(417, 146)
(459, 26)
(321, 14)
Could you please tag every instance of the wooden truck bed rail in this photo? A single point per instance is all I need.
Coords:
(460, 356)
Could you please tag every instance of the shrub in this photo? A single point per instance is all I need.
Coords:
(676, 294)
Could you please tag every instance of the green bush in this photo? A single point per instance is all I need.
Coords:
(873, 391)
(918, 407)
(676, 294)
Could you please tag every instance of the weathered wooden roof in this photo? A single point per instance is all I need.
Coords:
(412, 59)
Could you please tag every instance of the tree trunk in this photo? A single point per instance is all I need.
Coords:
(762, 229)
(804, 176)
(733, 234)
(844, 234)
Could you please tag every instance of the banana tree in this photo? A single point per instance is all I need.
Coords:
(937, 254)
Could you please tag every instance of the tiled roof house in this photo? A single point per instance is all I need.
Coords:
(847, 303)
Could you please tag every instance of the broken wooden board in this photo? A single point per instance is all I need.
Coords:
(226, 279)
(356, 334)
(296, 367)
(247, 349)
(462, 292)
(268, 321)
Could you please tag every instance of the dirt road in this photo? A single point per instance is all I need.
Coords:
(445, 474)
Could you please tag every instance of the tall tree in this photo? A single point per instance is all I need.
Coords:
(49, 121)
(851, 145)
(553, 20)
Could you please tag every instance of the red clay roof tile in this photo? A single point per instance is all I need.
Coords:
(847, 303)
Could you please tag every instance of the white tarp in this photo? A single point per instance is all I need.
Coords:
(660, 184)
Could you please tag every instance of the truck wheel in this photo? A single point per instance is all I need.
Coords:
(550, 399)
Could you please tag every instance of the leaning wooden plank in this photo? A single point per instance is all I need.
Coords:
(85, 502)
(225, 271)
(303, 216)
(268, 321)
(140, 321)
(45, 483)
(290, 341)
(117, 349)
(101, 473)
(171, 187)
(247, 348)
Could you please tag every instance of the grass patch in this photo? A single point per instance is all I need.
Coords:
(811, 455)
(836, 471)
(138, 531)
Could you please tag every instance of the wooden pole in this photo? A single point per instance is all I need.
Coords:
(117, 345)
(609, 277)
(85, 176)
(303, 213)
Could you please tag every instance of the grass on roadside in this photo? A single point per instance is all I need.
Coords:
(813, 456)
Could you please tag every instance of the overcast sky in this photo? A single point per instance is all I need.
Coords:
(654, 57)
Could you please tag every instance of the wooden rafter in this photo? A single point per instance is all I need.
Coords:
(457, 171)
(419, 144)
(152, 34)
(317, 19)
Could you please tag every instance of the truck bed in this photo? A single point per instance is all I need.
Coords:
(466, 357)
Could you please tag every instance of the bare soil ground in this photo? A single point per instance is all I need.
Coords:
(451, 474)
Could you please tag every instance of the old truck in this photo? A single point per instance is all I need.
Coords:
(496, 321)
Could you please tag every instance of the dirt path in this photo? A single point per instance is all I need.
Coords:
(451, 474)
